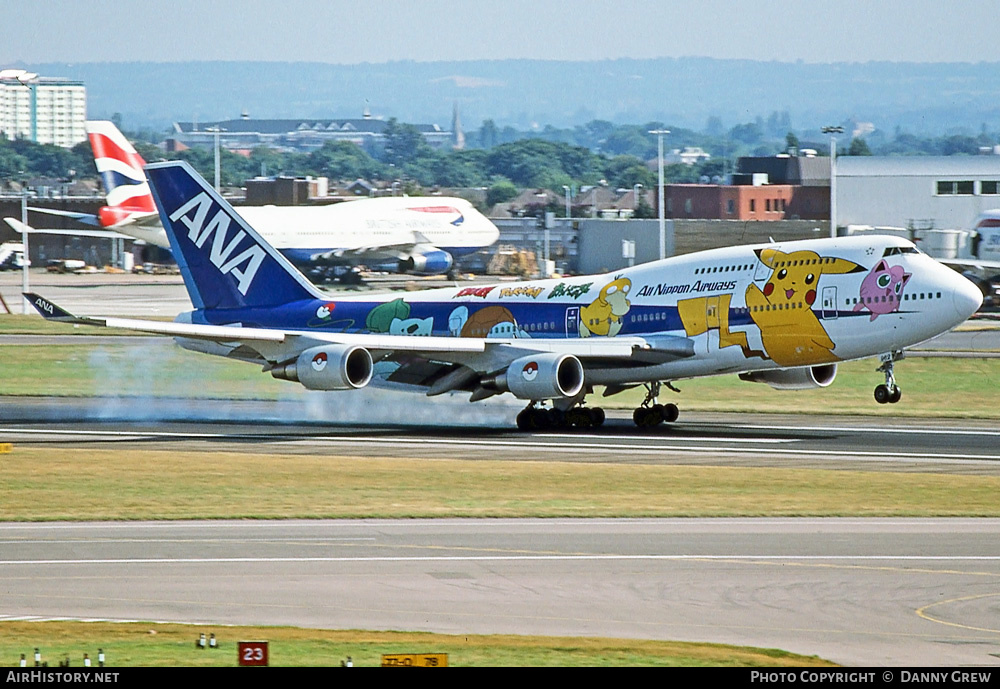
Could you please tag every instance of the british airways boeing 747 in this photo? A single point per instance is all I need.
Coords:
(419, 235)
(781, 314)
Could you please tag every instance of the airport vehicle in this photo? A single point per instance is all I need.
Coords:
(11, 256)
(983, 254)
(780, 314)
(419, 235)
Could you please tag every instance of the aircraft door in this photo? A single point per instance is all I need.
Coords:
(829, 306)
(712, 322)
(712, 312)
(573, 321)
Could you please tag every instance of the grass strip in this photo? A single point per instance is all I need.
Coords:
(43, 484)
(173, 645)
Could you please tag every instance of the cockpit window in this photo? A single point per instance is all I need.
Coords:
(897, 250)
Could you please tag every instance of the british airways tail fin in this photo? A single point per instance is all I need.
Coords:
(225, 263)
(120, 168)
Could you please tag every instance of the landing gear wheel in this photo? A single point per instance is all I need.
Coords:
(882, 394)
(647, 417)
(670, 412)
(886, 395)
(524, 420)
(533, 419)
(555, 418)
(597, 416)
(889, 393)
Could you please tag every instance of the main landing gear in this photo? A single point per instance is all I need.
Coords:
(651, 412)
(890, 392)
(535, 418)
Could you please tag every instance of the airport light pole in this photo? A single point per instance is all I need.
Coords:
(218, 163)
(663, 232)
(25, 261)
(833, 176)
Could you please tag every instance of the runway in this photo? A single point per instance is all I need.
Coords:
(256, 426)
(861, 592)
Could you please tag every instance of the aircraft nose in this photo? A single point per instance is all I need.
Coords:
(966, 297)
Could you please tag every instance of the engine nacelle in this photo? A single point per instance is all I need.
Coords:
(541, 377)
(794, 378)
(329, 367)
(109, 216)
(427, 263)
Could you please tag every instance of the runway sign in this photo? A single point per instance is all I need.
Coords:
(252, 653)
(414, 660)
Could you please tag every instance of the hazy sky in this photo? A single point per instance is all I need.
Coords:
(428, 30)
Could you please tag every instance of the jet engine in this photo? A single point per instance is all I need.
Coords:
(434, 262)
(329, 367)
(540, 377)
(109, 216)
(794, 378)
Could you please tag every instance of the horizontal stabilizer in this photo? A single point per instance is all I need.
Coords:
(50, 311)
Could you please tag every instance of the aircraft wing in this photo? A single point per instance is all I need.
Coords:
(138, 218)
(969, 263)
(20, 227)
(422, 360)
(381, 252)
(85, 218)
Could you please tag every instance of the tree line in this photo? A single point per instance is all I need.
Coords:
(504, 160)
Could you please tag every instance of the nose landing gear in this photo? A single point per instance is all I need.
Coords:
(889, 393)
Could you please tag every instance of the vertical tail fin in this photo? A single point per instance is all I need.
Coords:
(225, 263)
(120, 167)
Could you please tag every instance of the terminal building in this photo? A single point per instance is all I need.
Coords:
(45, 110)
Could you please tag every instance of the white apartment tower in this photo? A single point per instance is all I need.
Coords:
(45, 110)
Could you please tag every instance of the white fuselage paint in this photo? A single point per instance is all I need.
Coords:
(732, 281)
(363, 225)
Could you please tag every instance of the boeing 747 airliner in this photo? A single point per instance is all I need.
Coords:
(782, 314)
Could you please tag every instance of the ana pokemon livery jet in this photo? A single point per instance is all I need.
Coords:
(784, 315)
(419, 235)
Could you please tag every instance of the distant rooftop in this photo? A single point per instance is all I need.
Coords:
(245, 125)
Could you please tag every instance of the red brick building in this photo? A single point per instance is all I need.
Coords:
(764, 202)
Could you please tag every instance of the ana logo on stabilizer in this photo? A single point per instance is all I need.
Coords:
(244, 265)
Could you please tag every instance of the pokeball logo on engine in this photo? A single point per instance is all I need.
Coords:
(530, 371)
(319, 362)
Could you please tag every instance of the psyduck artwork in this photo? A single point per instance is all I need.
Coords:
(790, 332)
(603, 316)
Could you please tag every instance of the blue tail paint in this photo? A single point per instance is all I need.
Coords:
(225, 263)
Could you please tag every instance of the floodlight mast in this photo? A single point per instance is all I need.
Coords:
(833, 175)
(659, 148)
